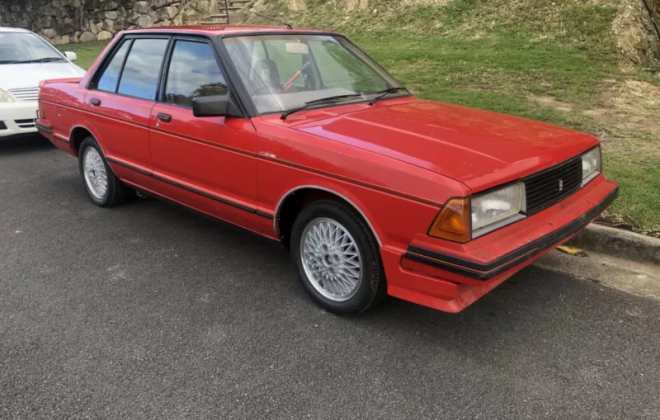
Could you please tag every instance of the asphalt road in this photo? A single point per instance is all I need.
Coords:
(149, 311)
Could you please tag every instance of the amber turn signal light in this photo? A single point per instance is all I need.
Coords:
(453, 221)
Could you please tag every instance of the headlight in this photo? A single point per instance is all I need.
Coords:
(4, 97)
(591, 165)
(463, 219)
(497, 208)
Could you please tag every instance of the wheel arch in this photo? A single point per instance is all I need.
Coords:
(79, 133)
(292, 202)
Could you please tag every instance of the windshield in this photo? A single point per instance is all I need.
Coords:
(25, 47)
(285, 72)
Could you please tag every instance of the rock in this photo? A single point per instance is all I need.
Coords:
(92, 4)
(157, 4)
(109, 25)
(142, 7)
(133, 17)
(93, 28)
(15, 8)
(50, 33)
(65, 39)
(104, 36)
(76, 36)
(48, 10)
(76, 3)
(145, 21)
(87, 37)
(46, 22)
(111, 15)
(164, 23)
(64, 26)
(203, 6)
(167, 13)
(56, 40)
(110, 5)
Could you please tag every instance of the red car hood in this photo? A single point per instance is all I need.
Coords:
(479, 148)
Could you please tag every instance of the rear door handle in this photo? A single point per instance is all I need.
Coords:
(95, 102)
(164, 117)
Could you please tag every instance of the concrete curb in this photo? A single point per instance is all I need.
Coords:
(618, 243)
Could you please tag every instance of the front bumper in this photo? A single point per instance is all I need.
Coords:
(17, 118)
(450, 276)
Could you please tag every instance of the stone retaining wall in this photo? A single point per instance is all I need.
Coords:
(64, 21)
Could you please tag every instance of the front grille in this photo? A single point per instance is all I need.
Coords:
(553, 185)
(29, 123)
(25, 94)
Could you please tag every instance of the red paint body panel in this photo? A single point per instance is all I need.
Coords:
(397, 162)
(479, 148)
(214, 153)
(122, 126)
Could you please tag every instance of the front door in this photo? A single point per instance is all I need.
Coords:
(209, 162)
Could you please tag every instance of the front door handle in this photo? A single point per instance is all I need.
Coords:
(164, 117)
(95, 102)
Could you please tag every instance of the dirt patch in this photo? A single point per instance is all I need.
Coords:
(635, 33)
(630, 109)
(551, 102)
(626, 116)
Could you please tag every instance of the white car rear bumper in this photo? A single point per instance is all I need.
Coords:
(17, 118)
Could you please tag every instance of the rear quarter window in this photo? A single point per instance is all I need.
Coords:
(110, 76)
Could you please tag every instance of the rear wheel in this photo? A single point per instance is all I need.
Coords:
(337, 258)
(102, 185)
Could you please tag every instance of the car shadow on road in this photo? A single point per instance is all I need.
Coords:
(535, 300)
(24, 144)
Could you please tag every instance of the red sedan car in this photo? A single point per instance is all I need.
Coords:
(300, 136)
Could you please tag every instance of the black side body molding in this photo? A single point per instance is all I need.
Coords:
(192, 190)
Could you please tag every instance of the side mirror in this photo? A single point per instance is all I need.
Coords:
(71, 55)
(215, 106)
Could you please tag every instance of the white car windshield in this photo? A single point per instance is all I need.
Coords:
(287, 72)
(25, 47)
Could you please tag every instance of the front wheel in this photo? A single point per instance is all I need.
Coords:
(337, 258)
(102, 185)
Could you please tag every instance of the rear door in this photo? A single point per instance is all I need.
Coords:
(209, 157)
(120, 100)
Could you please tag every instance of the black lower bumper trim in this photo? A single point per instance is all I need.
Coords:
(486, 271)
(43, 128)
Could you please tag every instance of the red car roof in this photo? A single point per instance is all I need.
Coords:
(222, 29)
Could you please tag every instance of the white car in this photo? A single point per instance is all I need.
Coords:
(25, 60)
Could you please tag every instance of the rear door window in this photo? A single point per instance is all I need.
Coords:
(142, 69)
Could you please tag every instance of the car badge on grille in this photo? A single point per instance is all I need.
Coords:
(561, 185)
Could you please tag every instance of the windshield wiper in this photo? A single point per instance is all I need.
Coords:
(384, 93)
(317, 102)
(43, 60)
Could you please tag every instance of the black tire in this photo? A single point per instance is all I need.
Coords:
(117, 192)
(372, 287)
